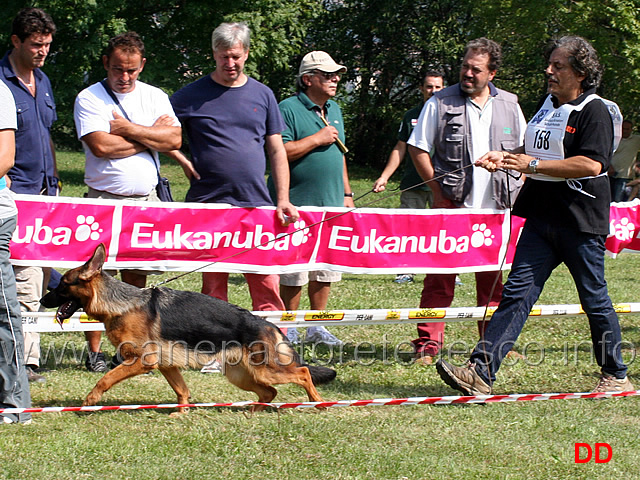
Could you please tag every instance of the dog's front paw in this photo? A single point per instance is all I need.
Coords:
(91, 400)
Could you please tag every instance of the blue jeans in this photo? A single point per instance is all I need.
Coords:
(617, 189)
(540, 250)
(14, 386)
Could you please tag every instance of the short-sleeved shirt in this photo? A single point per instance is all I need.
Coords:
(479, 120)
(226, 128)
(411, 176)
(589, 133)
(7, 122)
(34, 167)
(625, 156)
(93, 110)
(316, 178)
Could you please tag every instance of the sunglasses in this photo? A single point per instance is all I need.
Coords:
(325, 75)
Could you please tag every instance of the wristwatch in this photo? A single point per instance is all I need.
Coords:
(349, 194)
(533, 165)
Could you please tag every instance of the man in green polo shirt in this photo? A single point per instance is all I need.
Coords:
(420, 196)
(314, 141)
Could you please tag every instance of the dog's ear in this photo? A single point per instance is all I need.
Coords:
(94, 264)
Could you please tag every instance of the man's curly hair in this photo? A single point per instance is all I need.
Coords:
(583, 58)
(484, 46)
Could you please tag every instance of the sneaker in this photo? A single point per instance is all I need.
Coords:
(464, 379)
(458, 281)
(608, 383)
(115, 361)
(213, 367)
(96, 362)
(404, 278)
(293, 336)
(34, 377)
(9, 420)
(322, 335)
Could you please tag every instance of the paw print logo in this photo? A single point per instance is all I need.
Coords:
(88, 228)
(481, 236)
(624, 230)
(301, 235)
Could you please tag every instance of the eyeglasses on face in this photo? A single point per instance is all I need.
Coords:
(327, 76)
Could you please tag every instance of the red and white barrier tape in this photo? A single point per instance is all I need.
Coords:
(448, 400)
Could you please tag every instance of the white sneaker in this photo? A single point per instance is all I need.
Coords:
(322, 335)
(293, 336)
(213, 367)
(8, 420)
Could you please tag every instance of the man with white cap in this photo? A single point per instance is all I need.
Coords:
(314, 141)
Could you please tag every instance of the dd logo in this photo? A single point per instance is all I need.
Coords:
(595, 452)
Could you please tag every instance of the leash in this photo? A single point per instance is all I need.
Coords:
(393, 193)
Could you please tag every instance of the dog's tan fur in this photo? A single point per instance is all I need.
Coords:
(135, 319)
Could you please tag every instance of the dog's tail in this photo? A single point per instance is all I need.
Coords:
(321, 375)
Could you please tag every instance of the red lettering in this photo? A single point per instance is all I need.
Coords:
(606, 446)
(578, 446)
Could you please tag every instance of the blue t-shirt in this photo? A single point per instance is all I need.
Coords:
(34, 166)
(226, 128)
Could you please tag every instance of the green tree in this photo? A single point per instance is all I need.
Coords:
(387, 47)
(177, 38)
(524, 28)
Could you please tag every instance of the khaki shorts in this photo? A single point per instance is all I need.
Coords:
(93, 193)
(152, 197)
(302, 278)
(416, 199)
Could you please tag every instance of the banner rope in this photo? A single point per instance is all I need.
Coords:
(45, 321)
(306, 227)
(380, 402)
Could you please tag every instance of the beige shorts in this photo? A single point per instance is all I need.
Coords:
(93, 193)
(302, 278)
(416, 199)
(152, 197)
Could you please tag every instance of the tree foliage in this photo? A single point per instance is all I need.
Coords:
(386, 46)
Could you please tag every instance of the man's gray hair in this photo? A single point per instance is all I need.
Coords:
(583, 58)
(228, 35)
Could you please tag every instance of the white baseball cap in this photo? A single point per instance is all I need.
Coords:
(319, 60)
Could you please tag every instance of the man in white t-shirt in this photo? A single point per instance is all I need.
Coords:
(122, 138)
(621, 169)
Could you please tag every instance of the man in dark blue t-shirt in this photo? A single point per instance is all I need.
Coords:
(229, 119)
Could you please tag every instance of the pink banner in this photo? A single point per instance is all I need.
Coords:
(63, 232)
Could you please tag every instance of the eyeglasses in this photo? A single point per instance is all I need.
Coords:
(326, 76)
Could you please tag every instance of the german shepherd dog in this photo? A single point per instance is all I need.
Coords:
(171, 329)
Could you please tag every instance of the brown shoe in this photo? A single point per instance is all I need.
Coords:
(34, 377)
(608, 383)
(464, 379)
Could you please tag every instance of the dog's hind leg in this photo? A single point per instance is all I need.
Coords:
(121, 372)
(176, 380)
(240, 377)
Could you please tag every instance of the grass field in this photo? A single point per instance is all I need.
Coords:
(494, 441)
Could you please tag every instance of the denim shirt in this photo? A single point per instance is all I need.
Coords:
(34, 169)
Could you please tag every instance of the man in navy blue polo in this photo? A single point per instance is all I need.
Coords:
(35, 170)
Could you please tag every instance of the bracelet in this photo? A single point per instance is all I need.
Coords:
(349, 194)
